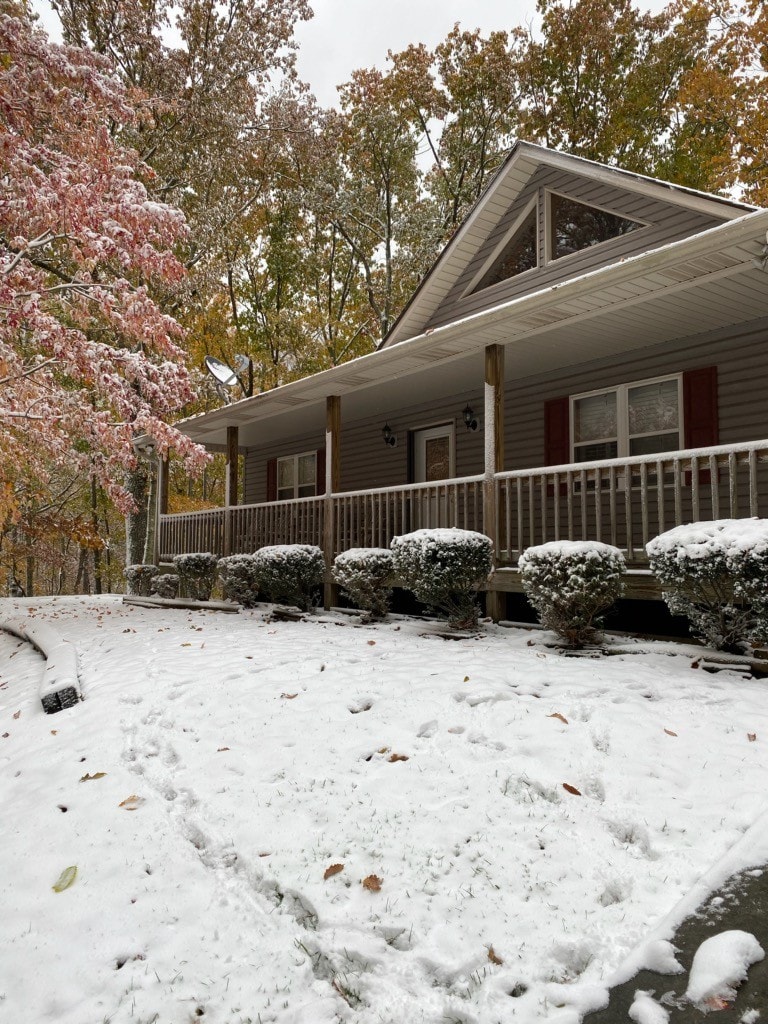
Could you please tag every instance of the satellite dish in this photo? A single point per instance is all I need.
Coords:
(221, 372)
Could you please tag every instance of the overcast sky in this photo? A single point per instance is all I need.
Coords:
(349, 34)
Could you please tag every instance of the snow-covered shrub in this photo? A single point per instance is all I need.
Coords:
(444, 568)
(571, 584)
(239, 576)
(366, 574)
(139, 578)
(290, 573)
(716, 575)
(166, 585)
(197, 574)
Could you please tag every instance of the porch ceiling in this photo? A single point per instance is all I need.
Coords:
(707, 282)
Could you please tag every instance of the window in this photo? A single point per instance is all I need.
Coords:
(633, 419)
(296, 476)
(574, 226)
(521, 253)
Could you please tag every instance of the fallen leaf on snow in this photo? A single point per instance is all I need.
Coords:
(289, 696)
(54, 732)
(334, 869)
(493, 957)
(131, 802)
(66, 878)
(559, 717)
(398, 757)
(372, 883)
(751, 736)
(571, 789)
(17, 714)
(670, 733)
(220, 749)
(371, 643)
(383, 750)
(185, 645)
(96, 775)
(466, 679)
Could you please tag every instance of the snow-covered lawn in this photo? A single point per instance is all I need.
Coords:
(503, 825)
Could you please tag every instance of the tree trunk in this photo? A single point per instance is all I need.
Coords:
(137, 485)
(30, 575)
(96, 550)
(149, 539)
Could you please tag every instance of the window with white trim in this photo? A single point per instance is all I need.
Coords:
(641, 418)
(297, 476)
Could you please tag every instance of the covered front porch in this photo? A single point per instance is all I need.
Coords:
(624, 502)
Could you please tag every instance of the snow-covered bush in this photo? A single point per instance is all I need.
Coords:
(716, 575)
(366, 574)
(239, 576)
(139, 578)
(291, 573)
(444, 568)
(166, 585)
(197, 574)
(571, 584)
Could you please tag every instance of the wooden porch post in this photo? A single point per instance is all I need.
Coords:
(332, 485)
(161, 508)
(494, 459)
(230, 486)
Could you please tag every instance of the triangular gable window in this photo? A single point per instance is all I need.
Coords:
(575, 226)
(518, 255)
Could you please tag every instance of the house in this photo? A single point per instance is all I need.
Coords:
(587, 358)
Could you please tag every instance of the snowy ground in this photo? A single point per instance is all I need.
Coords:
(522, 819)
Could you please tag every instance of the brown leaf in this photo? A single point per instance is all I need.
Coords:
(186, 645)
(383, 750)
(17, 714)
(372, 883)
(132, 802)
(670, 733)
(560, 717)
(371, 643)
(289, 696)
(695, 664)
(332, 870)
(751, 736)
(54, 732)
(96, 775)
(398, 757)
(466, 679)
(571, 789)
(493, 957)
(220, 749)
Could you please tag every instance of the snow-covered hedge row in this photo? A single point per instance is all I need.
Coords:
(197, 574)
(716, 575)
(290, 573)
(365, 574)
(571, 584)
(444, 568)
(240, 578)
(139, 578)
(166, 585)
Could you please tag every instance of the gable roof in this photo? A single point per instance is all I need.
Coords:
(506, 185)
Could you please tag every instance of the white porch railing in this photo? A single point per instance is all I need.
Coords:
(627, 502)
(624, 502)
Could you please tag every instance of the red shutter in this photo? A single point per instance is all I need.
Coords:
(557, 432)
(272, 480)
(700, 418)
(700, 407)
(320, 472)
(557, 436)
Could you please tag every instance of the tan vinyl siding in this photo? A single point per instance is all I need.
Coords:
(366, 462)
(667, 222)
(742, 363)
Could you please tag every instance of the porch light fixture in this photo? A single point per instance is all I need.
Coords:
(470, 420)
(390, 439)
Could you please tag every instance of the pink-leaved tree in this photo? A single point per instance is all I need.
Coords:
(88, 359)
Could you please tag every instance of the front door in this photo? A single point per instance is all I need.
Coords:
(433, 460)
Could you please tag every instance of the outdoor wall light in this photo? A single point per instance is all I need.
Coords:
(470, 420)
(389, 438)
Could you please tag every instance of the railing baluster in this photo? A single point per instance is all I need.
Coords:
(556, 496)
(677, 484)
(660, 495)
(569, 492)
(531, 513)
(753, 500)
(643, 499)
(520, 547)
(695, 506)
(583, 486)
(543, 493)
(612, 504)
(628, 513)
(733, 485)
(714, 486)
(598, 505)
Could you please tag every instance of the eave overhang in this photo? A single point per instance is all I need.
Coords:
(708, 281)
